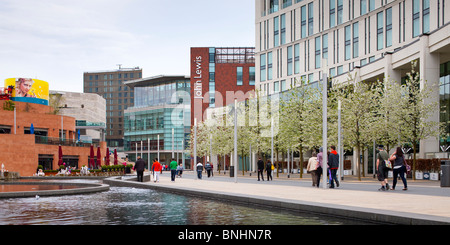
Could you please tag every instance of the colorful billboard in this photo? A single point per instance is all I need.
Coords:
(29, 90)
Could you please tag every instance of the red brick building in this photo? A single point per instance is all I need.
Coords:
(22, 152)
(219, 76)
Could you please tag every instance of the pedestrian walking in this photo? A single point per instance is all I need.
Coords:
(319, 166)
(399, 168)
(312, 167)
(180, 170)
(260, 168)
(139, 167)
(333, 162)
(208, 168)
(156, 168)
(173, 169)
(269, 168)
(382, 169)
(199, 170)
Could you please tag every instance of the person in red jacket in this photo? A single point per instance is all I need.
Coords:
(156, 168)
(333, 163)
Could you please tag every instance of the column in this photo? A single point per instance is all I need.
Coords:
(429, 75)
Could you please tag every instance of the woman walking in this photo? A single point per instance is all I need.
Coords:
(312, 167)
(399, 168)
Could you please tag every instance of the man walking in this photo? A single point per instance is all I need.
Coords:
(156, 167)
(139, 166)
(382, 170)
(199, 170)
(173, 169)
(260, 168)
(333, 162)
(208, 168)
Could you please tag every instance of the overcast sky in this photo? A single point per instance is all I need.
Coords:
(57, 40)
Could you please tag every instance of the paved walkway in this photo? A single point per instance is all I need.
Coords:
(425, 202)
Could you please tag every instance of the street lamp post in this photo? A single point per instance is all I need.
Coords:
(271, 145)
(195, 147)
(324, 124)
(235, 142)
(173, 146)
(341, 163)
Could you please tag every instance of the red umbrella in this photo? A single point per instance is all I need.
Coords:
(115, 157)
(99, 158)
(107, 157)
(60, 156)
(92, 162)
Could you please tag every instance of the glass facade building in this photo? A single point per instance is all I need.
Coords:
(160, 119)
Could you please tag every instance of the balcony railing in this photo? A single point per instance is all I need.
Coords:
(58, 141)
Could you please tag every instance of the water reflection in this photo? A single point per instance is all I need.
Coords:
(129, 206)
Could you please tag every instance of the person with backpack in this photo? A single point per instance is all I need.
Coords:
(208, 168)
(399, 168)
(199, 170)
(382, 168)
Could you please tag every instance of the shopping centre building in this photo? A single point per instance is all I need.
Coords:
(219, 75)
(367, 39)
(158, 125)
(32, 133)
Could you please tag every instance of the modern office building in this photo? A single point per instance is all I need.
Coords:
(219, 76)
(369, 39)
(159, 121)
(89, 111)
(110, 85)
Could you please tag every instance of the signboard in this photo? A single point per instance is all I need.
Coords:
(29, 90)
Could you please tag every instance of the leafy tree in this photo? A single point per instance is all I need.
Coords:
(301, 121)
(359, 104)
(415, 112)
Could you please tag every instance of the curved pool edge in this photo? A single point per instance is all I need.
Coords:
(84, 188)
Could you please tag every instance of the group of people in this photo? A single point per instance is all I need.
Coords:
(396, 162)
(315, 166)
(268, 167)
(176, 170)
(208, 168)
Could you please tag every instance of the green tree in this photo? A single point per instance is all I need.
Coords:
(415, 112)
(359, 105)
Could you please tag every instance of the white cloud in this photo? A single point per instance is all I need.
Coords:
(58, 40)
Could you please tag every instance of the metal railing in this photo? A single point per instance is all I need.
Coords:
(59, 141)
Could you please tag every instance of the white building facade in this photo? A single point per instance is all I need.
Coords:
(370, 39)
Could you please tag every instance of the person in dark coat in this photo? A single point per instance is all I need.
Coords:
(333, 162)
(260, 169)
(139, 166)
(269, 170)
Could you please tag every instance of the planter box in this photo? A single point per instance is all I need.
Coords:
(434, 176)
(419, 175)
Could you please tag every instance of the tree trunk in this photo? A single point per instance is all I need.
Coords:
(358, 162)
(414, 160)
(300, 160)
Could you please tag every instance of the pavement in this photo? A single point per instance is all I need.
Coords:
(424, 203)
